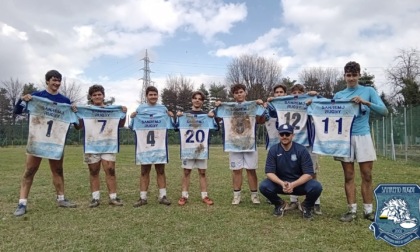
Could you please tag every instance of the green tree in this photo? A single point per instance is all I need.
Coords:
(218, 92)
(177, 93)
(206, 104)
(29, 88)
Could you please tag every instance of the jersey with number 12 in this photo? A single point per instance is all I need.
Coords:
(292, 110)
(151, 137)
(48, 125)
(194, 134)
(333, 120)
(101, 128)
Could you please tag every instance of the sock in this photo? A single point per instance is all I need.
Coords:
(368, 208)
(293, 198)
(60, 197)
(23, 202)
(204, 194)
(318, 201)
(352, 208)
(184, 194)
(254, 193)
(143, 195)
(162, 193)
(96, 195)
(237, 193)
(113, 196)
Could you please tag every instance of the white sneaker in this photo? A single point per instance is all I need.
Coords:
(236, 200)
(255, 199)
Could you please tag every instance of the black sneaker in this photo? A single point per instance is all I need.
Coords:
(164, 201)
(279, 209)
(369, 216)
(348, 217)
(307, 213)
(94, 203)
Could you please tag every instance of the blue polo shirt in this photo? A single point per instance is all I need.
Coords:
(289, 165)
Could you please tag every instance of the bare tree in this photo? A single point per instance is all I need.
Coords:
(14, 91)
(258, 74)
(177, 93)
(404, 77)
(320, 79)
(72, 90)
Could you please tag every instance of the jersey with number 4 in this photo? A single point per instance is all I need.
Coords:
(151, 137)
(48, 125)
(333, 120)
(292, 110)
(194, 135)
(101, 128)
(239, 125)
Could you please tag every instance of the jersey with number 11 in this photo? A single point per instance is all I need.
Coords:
(151, 137)
(48, 125)
(333, 120)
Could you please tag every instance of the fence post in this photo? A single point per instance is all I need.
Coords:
(383, 137)
(392, 140)
(405, 133)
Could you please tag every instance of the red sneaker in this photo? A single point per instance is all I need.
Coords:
(182, 201)
(208, 201)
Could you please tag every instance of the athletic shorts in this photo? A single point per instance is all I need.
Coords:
(314, 158)
(95, 158)
(362, 150)
(194, 163)
(247, 160)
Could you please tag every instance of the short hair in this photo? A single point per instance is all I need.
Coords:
(352, 67)
(151, 89)
(96, 88)
(203, 96)
(53, 73)
(280, 86)
(237, 87)
(298, 87)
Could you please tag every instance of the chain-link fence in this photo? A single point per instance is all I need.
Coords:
(397, 136)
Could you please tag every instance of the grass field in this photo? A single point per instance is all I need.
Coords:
(193, 227)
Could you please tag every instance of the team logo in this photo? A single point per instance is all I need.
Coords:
(397, 213)
(293, 157)
(232, 164)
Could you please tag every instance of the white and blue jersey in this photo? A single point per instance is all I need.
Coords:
(239, 134)
(101, 128)
(48, 125)
(272, 135)
(292, 110)
(194, 135)
(150, 127)
(333, 121)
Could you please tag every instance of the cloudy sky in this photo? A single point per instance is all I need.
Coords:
(103, 41)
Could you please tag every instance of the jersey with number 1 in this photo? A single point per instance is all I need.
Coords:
(150, 126)
(101, 128)
(292, 110)
(239, 125)
(194, 135)
(48, 125)
(333, 120)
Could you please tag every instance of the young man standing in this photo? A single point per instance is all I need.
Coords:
(362, 149)
(150, 123)
(239, 122)
(271, 123)
(46, 137)
(289, 171)
(194, 126)
(101, 123)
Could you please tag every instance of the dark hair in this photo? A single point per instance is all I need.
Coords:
(203, 96)
(298, 87)
(151, 89)
(352, 67)
(237, 87)
(280, 86)
(96, 88)
(52, 73)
